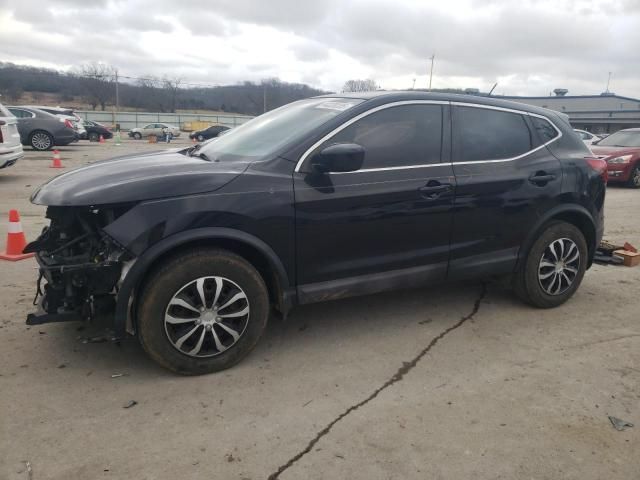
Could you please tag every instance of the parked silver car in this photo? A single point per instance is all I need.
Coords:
(42, 130)
(10, 146)
(157, 129)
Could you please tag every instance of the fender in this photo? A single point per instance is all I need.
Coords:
(549, 215)
(146, 259)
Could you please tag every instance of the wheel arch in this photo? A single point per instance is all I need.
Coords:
(37, 130)
(249, 247)
(573, 214)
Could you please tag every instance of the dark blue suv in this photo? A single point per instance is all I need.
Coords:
(323, 198)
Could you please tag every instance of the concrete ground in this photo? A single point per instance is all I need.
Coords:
(455, 382)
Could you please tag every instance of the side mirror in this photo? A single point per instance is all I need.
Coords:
(341, 157)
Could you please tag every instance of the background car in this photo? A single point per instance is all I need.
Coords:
(42, 130)
(587, 137)
(210, 132)
(621, 150)
(67, 114)
(95, 129)
(10, 146)
(157, 129)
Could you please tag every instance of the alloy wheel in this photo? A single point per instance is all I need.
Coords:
(559, 266)
(635, 176)
(41, 141)
(206, 316)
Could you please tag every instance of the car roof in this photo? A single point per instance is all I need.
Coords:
(57, 109)
(32, 109)
(399, 95)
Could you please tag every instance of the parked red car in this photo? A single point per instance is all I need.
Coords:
(621, 150)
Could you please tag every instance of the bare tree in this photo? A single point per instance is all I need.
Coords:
(368, 85)
(172, 87)
(97, 80)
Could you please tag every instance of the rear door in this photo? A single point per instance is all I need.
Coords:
(506, 179)
(25, 122)
(386, 224)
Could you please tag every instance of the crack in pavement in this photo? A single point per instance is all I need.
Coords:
(398, 376)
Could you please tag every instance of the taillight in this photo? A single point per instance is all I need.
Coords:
(600, 166)
(2, 122)
(68, 124)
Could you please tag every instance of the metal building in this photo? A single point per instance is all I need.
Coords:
(605, 113)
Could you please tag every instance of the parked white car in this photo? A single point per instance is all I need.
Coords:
(587, 137)
(10, 146)
(157, 129)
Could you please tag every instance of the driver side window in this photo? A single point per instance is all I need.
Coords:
(405, 135)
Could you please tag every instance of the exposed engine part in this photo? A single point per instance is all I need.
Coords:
(80, 263)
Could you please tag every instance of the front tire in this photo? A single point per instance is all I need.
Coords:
(137, 136)
(554, 267)
(41, 140)
(634, 178)
(202, 311)
(200, 138)
(94, 137)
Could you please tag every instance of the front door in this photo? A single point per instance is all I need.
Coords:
(386, 225)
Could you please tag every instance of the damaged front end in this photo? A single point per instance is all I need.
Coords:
(80, 265)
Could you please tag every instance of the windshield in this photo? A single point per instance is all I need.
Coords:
(267, 133)
(621, 139)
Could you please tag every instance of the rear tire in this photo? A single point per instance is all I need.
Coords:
(634, 178)
(554, 266)
(172, 306)
(41, 140)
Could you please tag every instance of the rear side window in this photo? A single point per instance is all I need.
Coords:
(485, 134)
(547, 132)
(19, 113)
(405, 135)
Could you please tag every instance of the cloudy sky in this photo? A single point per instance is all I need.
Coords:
(528, 46)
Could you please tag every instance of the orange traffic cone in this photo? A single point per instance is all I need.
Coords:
(15, 240)
(101, 139)
(57, 163)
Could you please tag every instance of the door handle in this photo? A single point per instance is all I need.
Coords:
(541, 177)
(434, 189)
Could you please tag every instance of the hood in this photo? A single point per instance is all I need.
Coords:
(137, 178)
(608, 151)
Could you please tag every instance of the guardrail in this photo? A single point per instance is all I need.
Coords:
(129, 120)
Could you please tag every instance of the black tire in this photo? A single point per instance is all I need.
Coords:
(41, 140)
(634, 178)
(137, 136)
(170, 279)
(528, 285)
(200, 138)
(94, 137)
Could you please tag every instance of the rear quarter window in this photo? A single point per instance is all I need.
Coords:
(545, 131)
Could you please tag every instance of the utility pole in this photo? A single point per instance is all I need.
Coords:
(431, 72)
(414, 84)
(264, 98)
(117, 106)
(608, 81)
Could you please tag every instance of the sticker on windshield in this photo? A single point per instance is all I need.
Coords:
(335, 105)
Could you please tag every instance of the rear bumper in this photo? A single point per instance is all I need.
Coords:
(10, 155)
